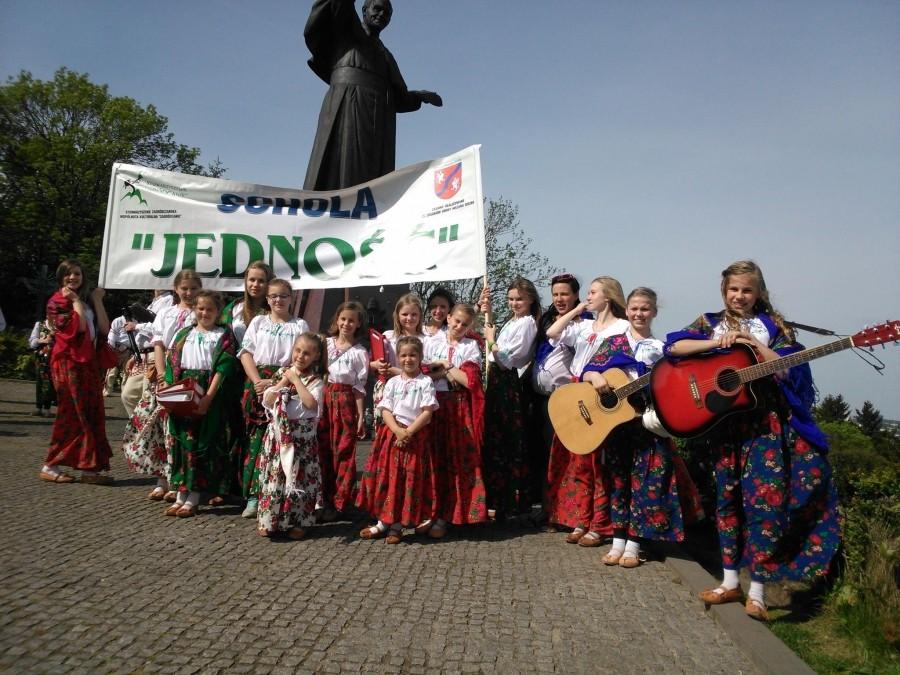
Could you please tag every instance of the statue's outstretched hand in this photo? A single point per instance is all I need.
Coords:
(430, 97)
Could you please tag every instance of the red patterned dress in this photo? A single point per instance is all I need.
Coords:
(79, 438)
(578, 485)
(458, 426)
(398, 486)
(348, 371)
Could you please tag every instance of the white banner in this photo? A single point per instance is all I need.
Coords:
(421, 223)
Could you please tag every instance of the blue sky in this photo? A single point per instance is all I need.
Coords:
(655, 142)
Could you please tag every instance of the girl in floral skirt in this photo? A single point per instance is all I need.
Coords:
(289, 474)
(776, 507)
(267, 347)
(458, 425)
(342, 421)
(199, 446)
(643, 494)
(144, 443)
(398, 487)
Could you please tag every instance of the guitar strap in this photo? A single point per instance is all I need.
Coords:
(810, 329)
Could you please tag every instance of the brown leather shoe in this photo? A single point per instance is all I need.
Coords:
(170, 497)
(756, 610)
(613, 557)
(394, 536)
(296, 533)
(424, 528)
(591, 540)
(156, 494)
(187, 511)
(438, 531)
(629, 561)
(575, 535)
(372, 533)
(721, 595)
(56, 477)
(173, 510)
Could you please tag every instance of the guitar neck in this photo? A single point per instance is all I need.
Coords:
(769, 367)
(633, 387)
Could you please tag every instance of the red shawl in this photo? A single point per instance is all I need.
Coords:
(476, 399)
(68, 341)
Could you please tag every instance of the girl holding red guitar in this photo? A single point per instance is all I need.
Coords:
(776, 506)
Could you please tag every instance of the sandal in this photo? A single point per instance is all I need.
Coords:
(575, 535)
(173, 510)
(756, 610)
(394, 536)
(170, 497)
(187, 510)
(56, 477)
(629, 561)
(591, 539)
(156, 494)
(721, 595)
(373, 532)
(613, 556)
(296, 533)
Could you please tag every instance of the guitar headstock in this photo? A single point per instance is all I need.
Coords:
(876, 335)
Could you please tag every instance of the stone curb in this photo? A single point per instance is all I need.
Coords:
(761, 645)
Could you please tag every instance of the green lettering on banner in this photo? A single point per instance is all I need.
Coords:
(189, 261)
(375, 238)
(311, 259)
(170, 256)
(136, 241)
(229, 254)
(289, 254)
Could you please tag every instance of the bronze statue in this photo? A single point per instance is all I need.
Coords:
(356, 137)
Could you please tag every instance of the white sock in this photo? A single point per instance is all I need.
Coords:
(193, 499)
(50, 469)
(757, 592)
(730, 579)
(632, 548)
(617, 545)
(180, 496)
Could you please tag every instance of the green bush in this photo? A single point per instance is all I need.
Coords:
(867, 598)
(15, 355)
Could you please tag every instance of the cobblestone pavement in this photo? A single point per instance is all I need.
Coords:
(96, 579)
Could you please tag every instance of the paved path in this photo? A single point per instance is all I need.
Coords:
(96, 579)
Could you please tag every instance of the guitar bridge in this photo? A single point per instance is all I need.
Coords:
(695, 391)
(582, 408)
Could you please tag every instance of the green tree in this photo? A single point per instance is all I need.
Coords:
(832, 409)
(869, 420)
(509, 255)
(58, 142)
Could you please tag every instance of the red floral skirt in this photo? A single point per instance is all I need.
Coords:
(578, 489)
(461, 497)
(397, 484)
(337, 445)
(79, 430)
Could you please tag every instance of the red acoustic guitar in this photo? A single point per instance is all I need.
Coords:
(691, 395)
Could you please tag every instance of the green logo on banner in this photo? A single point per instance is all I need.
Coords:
(133, 191)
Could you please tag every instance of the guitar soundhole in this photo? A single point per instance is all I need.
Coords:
(728, 381)
(608, 400)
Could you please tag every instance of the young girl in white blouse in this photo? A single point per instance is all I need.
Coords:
(577, 494)
(458, 425)
(506, 465)
(398, 489)
(144, 442)
(238, 314)
(199, 447)
(289, 474)
(342, 421)
(266, 348)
